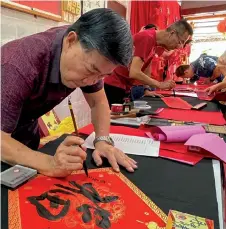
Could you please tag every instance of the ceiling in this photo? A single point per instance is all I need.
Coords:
(205, 15)
(206, 30)
(194, 7)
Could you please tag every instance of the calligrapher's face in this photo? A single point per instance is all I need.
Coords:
(188, 73)
(176, 41)
(79, 67)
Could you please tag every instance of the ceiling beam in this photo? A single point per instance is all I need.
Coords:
(206, 9)
(191, 18)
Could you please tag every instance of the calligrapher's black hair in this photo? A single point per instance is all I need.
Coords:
(181, 27)
(180, 71)
(107, 32)
(150, 26)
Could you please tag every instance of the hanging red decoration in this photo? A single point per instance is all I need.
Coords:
(221, 27)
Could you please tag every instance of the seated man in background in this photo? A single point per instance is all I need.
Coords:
(146, 42)
(205, 66)
(40, 70)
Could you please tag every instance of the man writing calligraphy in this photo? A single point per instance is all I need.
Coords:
(147, 43)
(40, 70)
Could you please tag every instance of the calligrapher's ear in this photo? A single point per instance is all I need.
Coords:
(97, 158)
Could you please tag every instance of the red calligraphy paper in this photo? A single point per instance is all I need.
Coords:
(219, 96)
(175, 102)
(131, 209)
(188, 158)
(208, 117)
(115, 130)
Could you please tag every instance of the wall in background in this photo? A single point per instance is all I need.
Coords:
(92, 4)
(213, 48)
(14, 25)
(118, 7)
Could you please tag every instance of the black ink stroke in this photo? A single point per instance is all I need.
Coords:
(60, 191)
(101, 215)
(54, 205)
(43, 212)
(90, 192)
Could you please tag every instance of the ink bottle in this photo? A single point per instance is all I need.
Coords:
(126, 105)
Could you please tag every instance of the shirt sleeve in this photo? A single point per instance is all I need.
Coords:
(14, 91)
(209, 63)
(93, 88)
(144, 44)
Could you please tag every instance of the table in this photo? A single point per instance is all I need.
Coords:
(219, 191)
(171, 185)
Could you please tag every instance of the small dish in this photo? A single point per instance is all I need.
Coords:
(139, 103)
(145, 107)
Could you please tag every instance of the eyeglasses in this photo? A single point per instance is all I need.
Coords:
(181, 42)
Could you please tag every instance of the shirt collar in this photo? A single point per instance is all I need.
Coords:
(55, 76)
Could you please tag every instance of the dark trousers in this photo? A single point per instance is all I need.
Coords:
(114, 94)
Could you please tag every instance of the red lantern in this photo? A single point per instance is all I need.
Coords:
(221, 27)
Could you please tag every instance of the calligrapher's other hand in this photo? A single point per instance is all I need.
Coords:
(115, 157)
(152, 94)
(212, 89)
(169, 84)
(69, 157)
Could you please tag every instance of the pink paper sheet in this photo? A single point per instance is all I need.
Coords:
(209, 142)
(176, 133)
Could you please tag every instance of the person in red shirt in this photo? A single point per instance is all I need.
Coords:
(120, 81)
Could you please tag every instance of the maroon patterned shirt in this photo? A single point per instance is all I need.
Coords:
(31, 83)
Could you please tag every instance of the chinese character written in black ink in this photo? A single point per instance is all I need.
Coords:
(101, 216)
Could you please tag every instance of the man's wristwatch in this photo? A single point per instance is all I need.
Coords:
(107, 139)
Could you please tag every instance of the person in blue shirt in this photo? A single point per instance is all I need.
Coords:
(205, 66)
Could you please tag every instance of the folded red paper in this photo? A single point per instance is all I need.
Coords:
(208, 117)
(184, 158)
(175, 102)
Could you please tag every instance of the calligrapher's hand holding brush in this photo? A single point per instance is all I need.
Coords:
(69, 157)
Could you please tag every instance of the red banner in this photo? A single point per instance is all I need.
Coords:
(104, 200)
